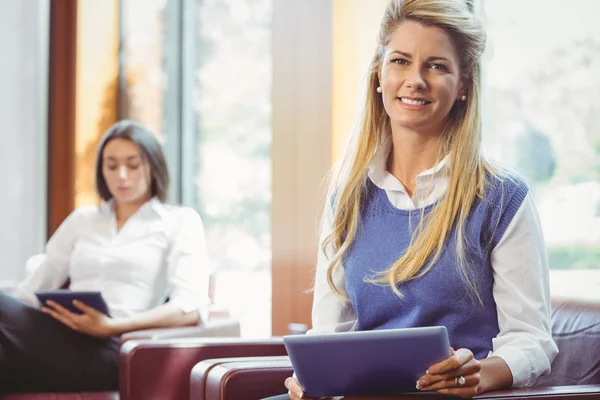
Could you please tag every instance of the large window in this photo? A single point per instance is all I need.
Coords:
(542, 116)
(199, 72)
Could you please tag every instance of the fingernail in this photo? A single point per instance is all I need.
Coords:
(299, 395)
(418, 386)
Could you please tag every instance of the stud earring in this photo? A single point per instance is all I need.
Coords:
(378, 89)
(464, 97)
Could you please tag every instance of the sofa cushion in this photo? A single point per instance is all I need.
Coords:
(576, 331)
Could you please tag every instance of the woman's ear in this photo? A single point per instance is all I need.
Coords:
(462, 90)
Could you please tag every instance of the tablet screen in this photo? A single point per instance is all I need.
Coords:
(65, 298)
(376, 362)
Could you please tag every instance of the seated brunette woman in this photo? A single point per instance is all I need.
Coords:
(134, 249)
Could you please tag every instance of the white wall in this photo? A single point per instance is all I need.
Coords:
(23, 126)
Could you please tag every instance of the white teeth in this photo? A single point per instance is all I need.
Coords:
(413, 102)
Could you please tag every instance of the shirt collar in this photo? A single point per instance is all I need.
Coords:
(377, 169)
(154, 205)
(157, 206)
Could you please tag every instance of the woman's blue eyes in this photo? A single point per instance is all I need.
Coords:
(402, 61)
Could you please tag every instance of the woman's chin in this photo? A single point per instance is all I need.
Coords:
(417, 124)
(128, 199)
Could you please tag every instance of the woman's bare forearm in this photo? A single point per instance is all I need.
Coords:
(495, 375)
(163, 316)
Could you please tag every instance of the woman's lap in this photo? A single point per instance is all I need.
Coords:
(39, 353)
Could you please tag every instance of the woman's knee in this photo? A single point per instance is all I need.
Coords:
(13, 309)
(6, 302)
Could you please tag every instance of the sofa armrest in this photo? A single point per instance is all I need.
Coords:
(240, 378)
(211, 328)
(575, 392)
(160, 369)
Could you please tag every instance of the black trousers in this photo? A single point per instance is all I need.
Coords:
(40, 354)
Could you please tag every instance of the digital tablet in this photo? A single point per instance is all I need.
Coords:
(65, 298)
(376, 362)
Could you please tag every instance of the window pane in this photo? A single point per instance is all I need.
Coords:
(151, 67)
(232, 191)
(542, 116)
(143, 37)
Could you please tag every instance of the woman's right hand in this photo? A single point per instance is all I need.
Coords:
(294, 390)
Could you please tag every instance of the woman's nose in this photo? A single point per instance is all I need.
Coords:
(123, 172)
(415, 79)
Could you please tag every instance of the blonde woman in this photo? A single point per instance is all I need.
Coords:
(420, 228)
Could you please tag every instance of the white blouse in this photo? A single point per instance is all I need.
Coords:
(160, 251)
(520, 270)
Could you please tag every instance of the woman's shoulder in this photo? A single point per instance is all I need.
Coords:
(80, 219)
(179, 210)
(505, 192)
(181, 215)
(505, 181)
(85, 213)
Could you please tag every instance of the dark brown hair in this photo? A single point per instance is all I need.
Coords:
(151, 151)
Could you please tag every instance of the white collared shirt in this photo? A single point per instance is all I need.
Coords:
(519, 262)
(160, 251)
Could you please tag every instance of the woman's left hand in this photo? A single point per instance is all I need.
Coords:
(458, 375)
(92, 322)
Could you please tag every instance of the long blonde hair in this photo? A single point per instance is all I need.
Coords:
(461, 138)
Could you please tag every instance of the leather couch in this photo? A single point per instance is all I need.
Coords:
(160, 369)
(575, 371)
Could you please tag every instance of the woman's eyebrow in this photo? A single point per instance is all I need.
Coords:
(408, 55)
(128, 158)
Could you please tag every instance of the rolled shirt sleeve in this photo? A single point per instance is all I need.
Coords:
(521, 293)
(188, 264)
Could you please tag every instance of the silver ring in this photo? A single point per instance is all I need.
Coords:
(461, 380)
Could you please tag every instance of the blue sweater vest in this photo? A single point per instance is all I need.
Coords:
(441, 296)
